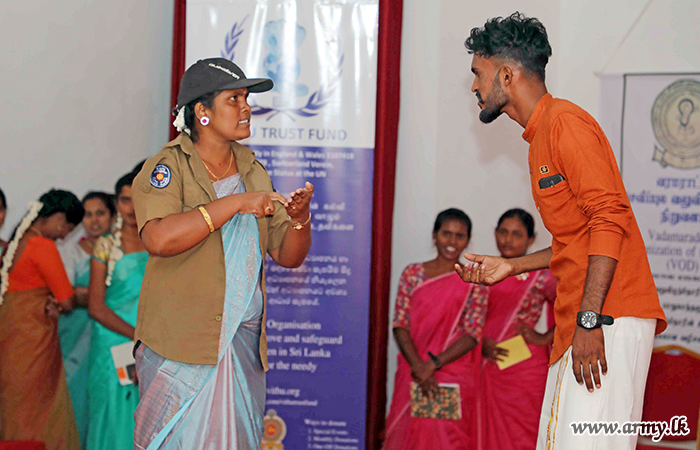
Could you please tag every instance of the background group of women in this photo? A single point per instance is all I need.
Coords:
(94, 284)
(447, 332)
(61, 314)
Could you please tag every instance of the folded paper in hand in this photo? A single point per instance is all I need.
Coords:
(517, 352)
(124, 362)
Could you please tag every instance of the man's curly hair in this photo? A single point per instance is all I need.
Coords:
(519, 38)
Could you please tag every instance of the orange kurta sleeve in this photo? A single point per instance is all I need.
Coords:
(45, 257)
(588, 167)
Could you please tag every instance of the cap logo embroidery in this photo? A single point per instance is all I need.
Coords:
(224, 70)
(160, 177)
(544, 169)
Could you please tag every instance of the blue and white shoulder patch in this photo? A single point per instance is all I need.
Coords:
(160, 177)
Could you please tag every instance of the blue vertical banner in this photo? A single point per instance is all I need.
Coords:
(316, 125)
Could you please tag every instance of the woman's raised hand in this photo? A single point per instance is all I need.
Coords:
(486, 270)
(298, 204)
(260, 203)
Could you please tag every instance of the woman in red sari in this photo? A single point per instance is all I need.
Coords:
(433, 329)
(510, 400)
(34, 399)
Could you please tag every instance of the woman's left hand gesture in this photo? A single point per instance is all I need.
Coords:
(52, 308)
(298, 204)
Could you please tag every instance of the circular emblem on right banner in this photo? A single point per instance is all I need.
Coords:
(675, 118)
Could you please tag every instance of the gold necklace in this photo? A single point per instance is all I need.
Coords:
(36, 230)
(230, 161)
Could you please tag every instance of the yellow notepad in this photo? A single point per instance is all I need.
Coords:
(517, 352)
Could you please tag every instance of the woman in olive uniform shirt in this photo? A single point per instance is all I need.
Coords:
(207, 214)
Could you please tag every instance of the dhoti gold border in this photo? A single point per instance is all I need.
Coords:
(555, 401)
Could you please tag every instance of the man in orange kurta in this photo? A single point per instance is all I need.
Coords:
(607, 309)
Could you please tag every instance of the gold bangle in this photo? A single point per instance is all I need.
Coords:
(207, 219)
(300, 225)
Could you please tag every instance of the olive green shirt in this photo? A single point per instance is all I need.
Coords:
(182, 296)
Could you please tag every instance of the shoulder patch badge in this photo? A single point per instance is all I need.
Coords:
(544, 170)
(160, 177)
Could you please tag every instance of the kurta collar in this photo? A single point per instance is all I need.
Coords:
(533, 123)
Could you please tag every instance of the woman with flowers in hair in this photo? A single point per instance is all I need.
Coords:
(116, 272)
(34, 399)
(208, 215)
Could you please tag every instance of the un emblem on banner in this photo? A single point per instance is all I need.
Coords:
(274, 431)
(675, 118)
(282, 40)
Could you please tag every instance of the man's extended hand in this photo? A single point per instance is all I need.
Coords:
(587, 351)
(486, 270)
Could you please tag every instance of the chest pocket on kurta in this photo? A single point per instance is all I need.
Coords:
(557, 206)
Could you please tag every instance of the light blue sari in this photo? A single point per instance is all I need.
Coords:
(188, 406)
(74, 333)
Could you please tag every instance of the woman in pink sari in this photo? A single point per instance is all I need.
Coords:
(510, 400)
(433, 329)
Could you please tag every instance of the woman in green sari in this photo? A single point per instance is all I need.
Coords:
(116, 272)
(74, 328)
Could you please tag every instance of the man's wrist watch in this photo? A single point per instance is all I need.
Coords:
(591, 319)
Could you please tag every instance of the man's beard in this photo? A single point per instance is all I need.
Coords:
(493, 107)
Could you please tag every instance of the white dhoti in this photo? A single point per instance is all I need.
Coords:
(628, 345)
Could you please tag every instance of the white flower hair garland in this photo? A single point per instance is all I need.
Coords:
(32, 214)
(179, 123)
(115, 253)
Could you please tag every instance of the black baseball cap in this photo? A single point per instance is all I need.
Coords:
(216, 74)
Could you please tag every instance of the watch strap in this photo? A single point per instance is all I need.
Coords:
(436, 360)
(606, 320)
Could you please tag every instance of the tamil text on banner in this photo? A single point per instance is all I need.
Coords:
(316, 125)
(660, 163)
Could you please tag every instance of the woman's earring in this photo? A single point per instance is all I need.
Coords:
(204, 121)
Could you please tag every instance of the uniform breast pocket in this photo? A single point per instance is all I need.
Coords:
(193, 196)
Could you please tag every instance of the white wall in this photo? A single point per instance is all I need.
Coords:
(665, 39)
(85, 93)
(448, 158)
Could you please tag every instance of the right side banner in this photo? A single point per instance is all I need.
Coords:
(660, 165)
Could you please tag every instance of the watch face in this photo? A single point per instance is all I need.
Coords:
(589, 319)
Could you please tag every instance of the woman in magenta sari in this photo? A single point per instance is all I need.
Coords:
(433, 329)
(510, 400)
